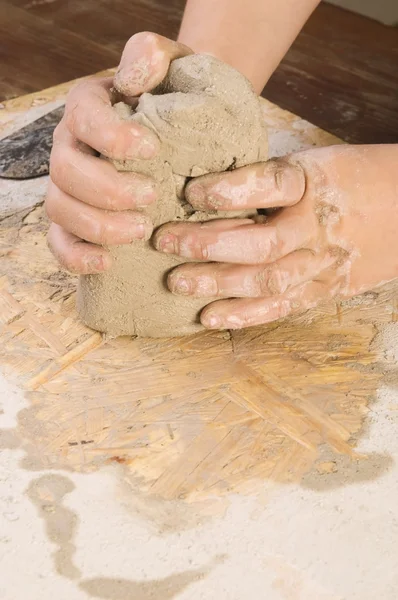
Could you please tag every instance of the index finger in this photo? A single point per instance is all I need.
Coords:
(276, 183)
(91, 119)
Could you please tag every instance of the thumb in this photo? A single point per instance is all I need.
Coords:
(145, 61)
(276, 183)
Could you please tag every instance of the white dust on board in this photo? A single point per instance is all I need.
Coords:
(297, 137)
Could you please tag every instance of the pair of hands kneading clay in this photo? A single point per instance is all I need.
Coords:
(330, 237)
(208, 119)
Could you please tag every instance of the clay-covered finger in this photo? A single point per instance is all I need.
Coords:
(93, 224)
(237, 243)
(247, 312)
(145, 61)
(209, 280)
(75, 170)
(276, 183)
(91, 119)
(75, 255)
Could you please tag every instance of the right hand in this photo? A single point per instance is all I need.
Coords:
(89, 203)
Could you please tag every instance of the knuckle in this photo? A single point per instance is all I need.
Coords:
(191, 245)
(57, 133)
(270, 281)
(72, 117)
(64, 257)
(57, 166)
(210, 286)
(61, 158)
(277, 168)
(49, 206)
(76, 92)
(145, 36)
(262, 280)
(74, 105)
(113, 143)
(273, 246)
(289, 178)
(101, 231)
(277, 281)
(200, 249)
(148, 40)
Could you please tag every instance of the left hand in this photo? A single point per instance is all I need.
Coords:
(335, 234)
(92, 205)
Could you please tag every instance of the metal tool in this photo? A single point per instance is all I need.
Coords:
(26, 153)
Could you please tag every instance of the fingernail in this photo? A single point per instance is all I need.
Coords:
(145, 147)
(167, 244)
(143, 144)
(196, 195)
(142, 231)
(134, 75)
(145, 195)
(182, 286)
(98, 264)
(211, 321)
(148, 148)
(130, 80)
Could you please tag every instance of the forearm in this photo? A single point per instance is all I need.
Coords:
(251, 35)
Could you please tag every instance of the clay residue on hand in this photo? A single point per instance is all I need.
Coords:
(208, 119)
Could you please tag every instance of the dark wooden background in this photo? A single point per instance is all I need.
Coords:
(341, 73)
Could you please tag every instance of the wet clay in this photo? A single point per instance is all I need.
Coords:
(208, 119)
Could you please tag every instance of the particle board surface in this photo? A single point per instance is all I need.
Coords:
(191, 418)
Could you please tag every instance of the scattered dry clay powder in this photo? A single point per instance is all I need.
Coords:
(208, 119)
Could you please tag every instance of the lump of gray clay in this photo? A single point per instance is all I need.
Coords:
(208, 119)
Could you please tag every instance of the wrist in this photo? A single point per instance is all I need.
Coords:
(251, 36)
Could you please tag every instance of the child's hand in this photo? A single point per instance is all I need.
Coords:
(334, 235)
(88, 199)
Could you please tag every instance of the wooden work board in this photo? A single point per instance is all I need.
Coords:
(190, 418)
